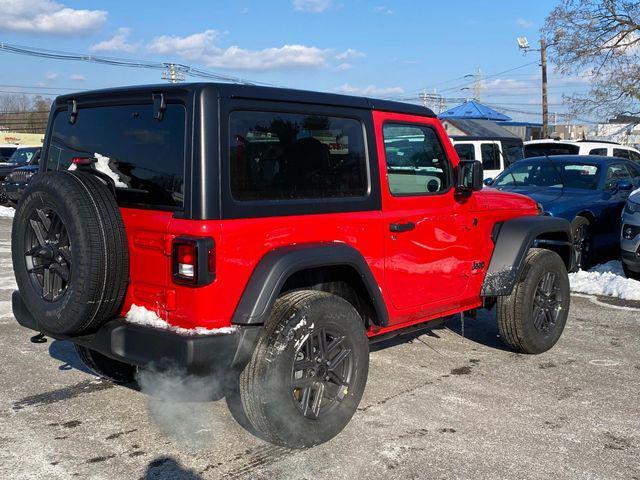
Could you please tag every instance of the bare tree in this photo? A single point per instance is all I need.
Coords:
(19, 113)
(598, 40)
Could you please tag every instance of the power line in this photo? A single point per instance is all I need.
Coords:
(122, 62)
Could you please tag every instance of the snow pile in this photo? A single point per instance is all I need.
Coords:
(606, 279)
(6, 212)
(141, 316)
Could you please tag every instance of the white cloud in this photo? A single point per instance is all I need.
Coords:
(313, 6)
(524, 23)
(48, 17)
(370, 90)
(203, 48)
(344, 66)
(349, 54)
(383, 9)
(76, 77)
(51, 75)
(118, 43)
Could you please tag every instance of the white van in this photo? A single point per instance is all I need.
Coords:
(540, 148)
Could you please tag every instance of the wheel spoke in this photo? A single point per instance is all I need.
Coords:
(47, 284)
(335, 343)
(302, 383)
(36, 269)
(335, 378)
(339, 358)
(317, 399)
(303, 364)
(65, 252)
(39, 231)
(46, 221)
(61, 271)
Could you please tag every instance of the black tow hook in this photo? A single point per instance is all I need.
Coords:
(39, 338)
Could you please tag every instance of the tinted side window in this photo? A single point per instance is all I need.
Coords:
(490, 156)
(621, 152)
(144, 157)
(279, 156)
(416, 162)
(635, 156)
(465, 151)
(598, 151)
(615, 173)
(513, 152)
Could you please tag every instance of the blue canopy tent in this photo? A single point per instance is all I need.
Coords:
(474, 110)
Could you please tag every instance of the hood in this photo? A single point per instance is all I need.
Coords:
(490, 198)
(544, 196)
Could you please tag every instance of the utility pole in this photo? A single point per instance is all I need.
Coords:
(523, 43)
(173, 73)
(477, 85)
(545, 102)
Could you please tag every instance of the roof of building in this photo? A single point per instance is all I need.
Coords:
(473, 109)
(478, 129)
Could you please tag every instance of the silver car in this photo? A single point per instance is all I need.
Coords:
(630, 236)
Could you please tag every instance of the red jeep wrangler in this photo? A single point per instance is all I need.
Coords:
(305, 223)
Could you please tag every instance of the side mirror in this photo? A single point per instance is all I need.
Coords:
(470, 176)
(624, 185)
(488, 181)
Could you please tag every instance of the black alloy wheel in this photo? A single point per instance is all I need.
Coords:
(582, 244)
(47, 253)
(547, 303)
(321, 373)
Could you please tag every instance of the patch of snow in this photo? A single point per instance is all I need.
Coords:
(102, 165)
(141, 316)
(7, 212)
(606, 279)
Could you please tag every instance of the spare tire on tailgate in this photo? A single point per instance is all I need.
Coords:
(70, 254)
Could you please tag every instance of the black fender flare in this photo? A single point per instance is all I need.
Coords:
(512, 239)
(278, 265)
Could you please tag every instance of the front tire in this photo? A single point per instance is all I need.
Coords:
(309, 370)
(532, 318)
(582, 244)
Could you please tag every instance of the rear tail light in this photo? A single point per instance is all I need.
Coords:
(194, 261)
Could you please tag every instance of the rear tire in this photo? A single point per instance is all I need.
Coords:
(103, 366)
(532, 318)
(308, 373)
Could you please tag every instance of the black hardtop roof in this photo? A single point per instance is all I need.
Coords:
(230, 90)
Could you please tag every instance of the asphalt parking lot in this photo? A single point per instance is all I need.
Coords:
(436, 406)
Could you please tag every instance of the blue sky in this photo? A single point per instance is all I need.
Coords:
(383, 49)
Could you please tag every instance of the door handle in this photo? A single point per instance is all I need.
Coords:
(401, 227)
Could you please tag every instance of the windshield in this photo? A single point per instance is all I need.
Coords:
(547, 174)
(514, 152)
(22, 156)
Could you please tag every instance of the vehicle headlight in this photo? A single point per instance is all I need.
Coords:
(632, 207)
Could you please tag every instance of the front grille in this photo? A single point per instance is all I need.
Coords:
(20, 176)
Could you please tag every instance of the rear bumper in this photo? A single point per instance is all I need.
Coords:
(147, 346)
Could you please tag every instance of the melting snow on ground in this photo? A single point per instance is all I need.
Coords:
(142, 316)
(605, 279)
(6, 212)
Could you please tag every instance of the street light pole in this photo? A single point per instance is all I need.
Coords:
(545, 102)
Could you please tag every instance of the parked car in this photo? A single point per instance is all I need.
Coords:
(630, 237)
(495, 154)
(271, 232)
(539, 148)
(21, 156)
(11, 186)
(14, 184)
(6, 150)
(589, 191)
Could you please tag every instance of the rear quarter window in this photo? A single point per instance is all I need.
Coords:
(143, 156)
(291, 156)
